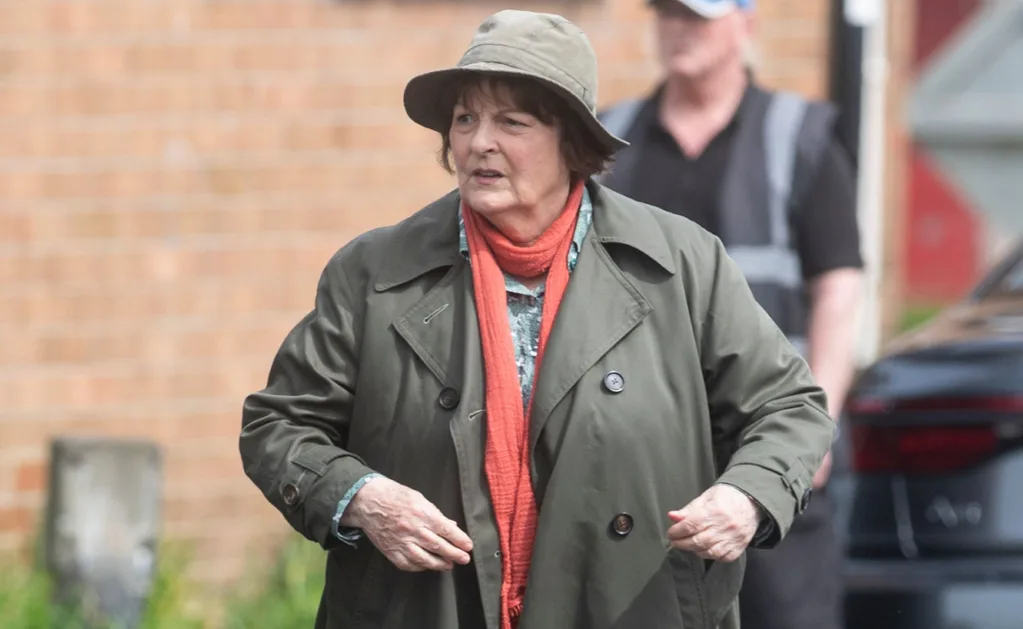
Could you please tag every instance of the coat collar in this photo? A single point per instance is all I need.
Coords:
(620, 220)
(428, 239)
(425, 241)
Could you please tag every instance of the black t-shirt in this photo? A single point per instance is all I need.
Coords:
(824, 225)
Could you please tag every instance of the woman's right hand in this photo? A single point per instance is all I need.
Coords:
(406, 527)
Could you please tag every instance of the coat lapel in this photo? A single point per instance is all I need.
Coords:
(598, 310)
(435, 325)
(601, 306)
(425, 243)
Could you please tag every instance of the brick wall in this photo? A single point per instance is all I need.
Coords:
(174, 175)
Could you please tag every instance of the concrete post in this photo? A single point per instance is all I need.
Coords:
(103, 525)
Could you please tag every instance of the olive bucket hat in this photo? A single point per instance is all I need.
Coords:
(541, 46)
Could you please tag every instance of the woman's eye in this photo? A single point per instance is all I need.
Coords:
(463, 118)
(515, 123)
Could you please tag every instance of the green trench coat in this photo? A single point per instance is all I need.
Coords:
(385, 374)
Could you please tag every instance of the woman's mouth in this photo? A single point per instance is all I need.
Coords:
(486, 175)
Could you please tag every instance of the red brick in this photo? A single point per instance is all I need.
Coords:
(30, 477)
(187, 477)
(16, 519)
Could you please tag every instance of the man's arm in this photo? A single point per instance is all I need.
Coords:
(835, 300)
(829, 244)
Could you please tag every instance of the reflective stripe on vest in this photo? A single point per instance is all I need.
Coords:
(776, 266)
(781, 131)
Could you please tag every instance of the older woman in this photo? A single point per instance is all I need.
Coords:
(534, 403)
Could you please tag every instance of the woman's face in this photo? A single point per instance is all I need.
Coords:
(505, 159)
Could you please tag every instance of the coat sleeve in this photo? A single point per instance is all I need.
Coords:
(294, 431)
(769, 419)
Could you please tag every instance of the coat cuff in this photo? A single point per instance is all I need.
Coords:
(766, 528)
(782, 496)
(314, 482)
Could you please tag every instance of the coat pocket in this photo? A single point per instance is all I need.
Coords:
(721, 584)
(705, 590)
(371, 600)
(356, 589)
(688, 573)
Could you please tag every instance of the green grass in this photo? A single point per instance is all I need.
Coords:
(915, 315)
(169, 606)
(26, 598)
(285, 598)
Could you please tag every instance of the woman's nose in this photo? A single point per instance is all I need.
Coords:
(483, 138)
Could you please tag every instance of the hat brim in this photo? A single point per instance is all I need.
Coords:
(426, 104)
(703, 8)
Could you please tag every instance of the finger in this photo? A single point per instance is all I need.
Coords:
(698, 543)
(401, 562)
(685, 528)
(448, 529)
(424, 559)
(719, 551)
(695, 510)
(684, 513)
(437, 545)
(687, 545)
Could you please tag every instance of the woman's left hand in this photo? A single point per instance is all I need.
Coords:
(717, 525)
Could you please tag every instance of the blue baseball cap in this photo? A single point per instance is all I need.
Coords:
(713, 9)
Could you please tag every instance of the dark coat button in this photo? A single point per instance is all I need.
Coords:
(622, 524)
(290, 494)
(448, 398)
(614, 382)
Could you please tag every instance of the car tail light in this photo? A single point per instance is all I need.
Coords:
(963, 437)
(920, 449)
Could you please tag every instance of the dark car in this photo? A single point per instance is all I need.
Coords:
(929, 488)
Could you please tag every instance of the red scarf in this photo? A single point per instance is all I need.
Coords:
(507, 454)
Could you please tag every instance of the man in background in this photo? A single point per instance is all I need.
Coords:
(762, 171)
